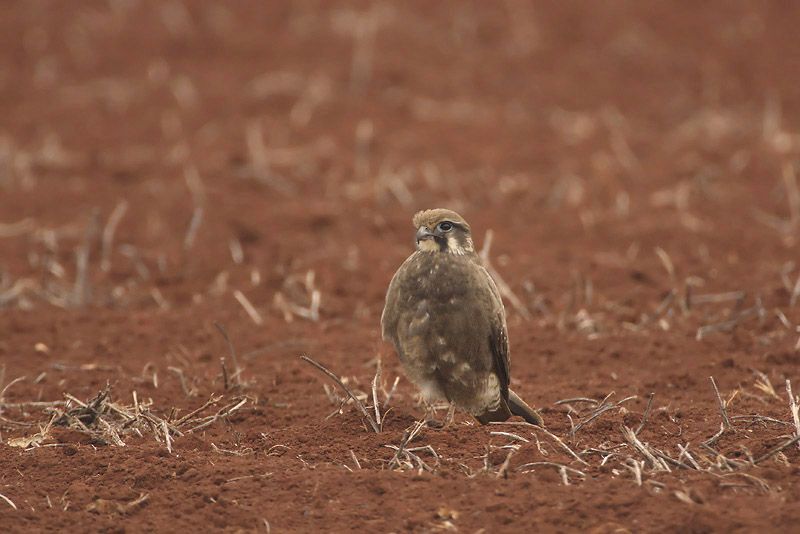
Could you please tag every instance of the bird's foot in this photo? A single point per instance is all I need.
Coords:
(435, 423)
(430, 416)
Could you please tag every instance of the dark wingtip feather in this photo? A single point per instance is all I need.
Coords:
(520, 407)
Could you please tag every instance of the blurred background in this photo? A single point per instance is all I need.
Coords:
(160, 154)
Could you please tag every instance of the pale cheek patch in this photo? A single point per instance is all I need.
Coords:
(428, 245)
(454, 247)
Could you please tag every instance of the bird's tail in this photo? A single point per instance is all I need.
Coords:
(520, 407)
(513, 406)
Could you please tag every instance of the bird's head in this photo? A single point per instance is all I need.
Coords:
(441, 230)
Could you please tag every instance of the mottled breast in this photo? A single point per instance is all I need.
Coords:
(441, 316)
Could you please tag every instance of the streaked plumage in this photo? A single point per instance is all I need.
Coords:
(446, 319)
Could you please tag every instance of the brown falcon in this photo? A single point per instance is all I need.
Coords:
(446, 320)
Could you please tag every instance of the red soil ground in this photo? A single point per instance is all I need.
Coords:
(634, 161)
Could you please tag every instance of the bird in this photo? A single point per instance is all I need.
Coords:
(445, 317)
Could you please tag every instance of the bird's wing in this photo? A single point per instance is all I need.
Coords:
(389, 315)
(498, 336)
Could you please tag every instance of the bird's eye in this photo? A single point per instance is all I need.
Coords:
(445, 226)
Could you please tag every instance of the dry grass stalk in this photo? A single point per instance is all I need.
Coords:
(757, 482)
(560, 442)
(563, 470)
(20, 227)
(197, 190)
(795, 295)
(290, 309)
(792, 195)
(666, 261)
(237, 252)
(223, 412)
(503, 471)
(248, 307)
(646, 413)
(602, 408)
(615, 122)
(318, 89)
(372, 422)
(108, 234)
(246, 451)
(576, 399)
(9, 501)
(158, 298)
(31, 404)
(406, 457)
(722, 406)
(194, 226)
(260, 166)
(535, 429)
(785, 271)
(168, 440)
(664, 305)
(502, 286)
(355, 459)
(105, 506)
(363, 27)
(7, 386)
(670, 460)
(793, 408)
(237, 371)
(212, 400)
(225, 381)
(387, 395)
(783, 319)
(656, 462)
(764, 384)
(365, 132)
(731, 324)
(375, 381)
(635, 467)
(510, 435)
(775, 450)
(81, 291)
(713, 439)
(715, 298)
(758, 419)
(685, 453)
(107, 422)
(187, 390)
(411, 457)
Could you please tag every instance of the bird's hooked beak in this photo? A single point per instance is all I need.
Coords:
(423, 233)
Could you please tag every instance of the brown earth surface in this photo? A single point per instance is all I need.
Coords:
(166, 165)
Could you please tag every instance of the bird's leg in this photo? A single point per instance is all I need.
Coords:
(451, 412)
